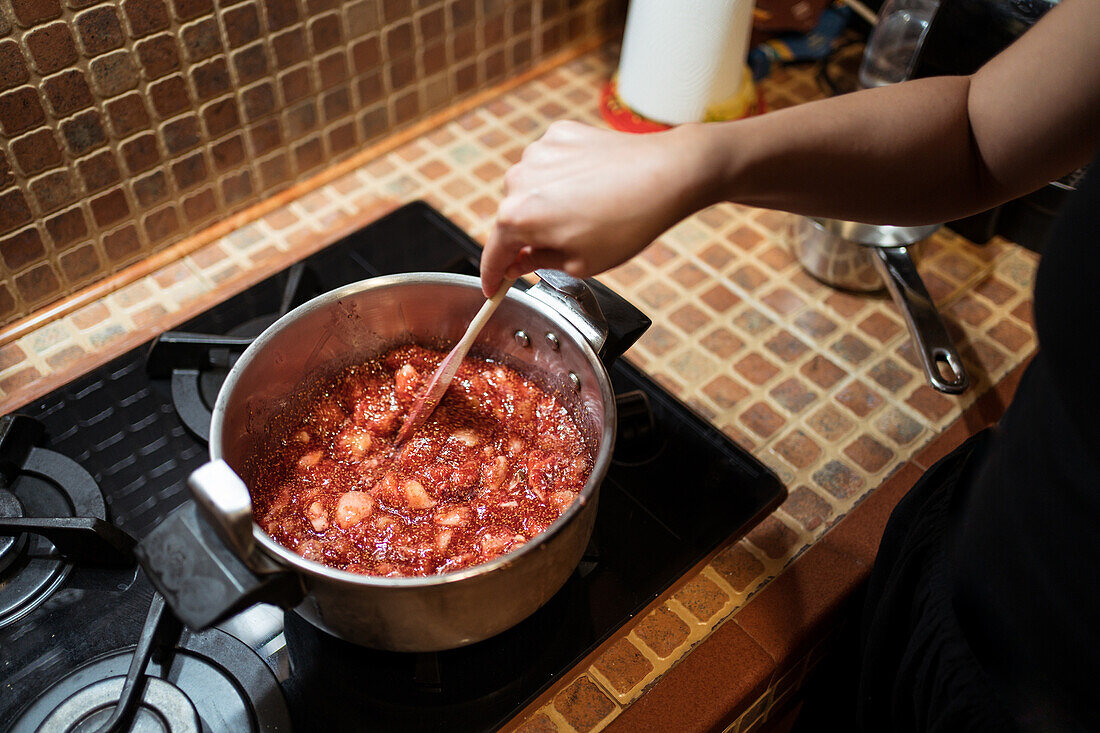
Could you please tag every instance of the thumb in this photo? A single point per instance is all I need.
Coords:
(497, 256)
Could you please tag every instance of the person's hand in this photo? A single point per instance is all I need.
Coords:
(583, 200)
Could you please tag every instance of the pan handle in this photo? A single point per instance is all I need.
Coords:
(201, 579)
(942, 365)
(225, 503)
(202, 557)
(610, 324)
(572, 298)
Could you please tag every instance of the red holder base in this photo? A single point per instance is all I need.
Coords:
(621, 117)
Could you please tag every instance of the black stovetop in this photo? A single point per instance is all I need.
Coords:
(676, 489)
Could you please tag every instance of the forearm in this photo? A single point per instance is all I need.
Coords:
(902, 155)
(924, 151)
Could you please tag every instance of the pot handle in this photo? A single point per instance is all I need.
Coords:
(572, 298)
(225, 503)
(942, 365)
(193, 559)
(608, 322)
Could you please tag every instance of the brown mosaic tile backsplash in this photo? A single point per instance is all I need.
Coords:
(127, 125)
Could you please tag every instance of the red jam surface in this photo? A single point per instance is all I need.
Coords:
(497, 462)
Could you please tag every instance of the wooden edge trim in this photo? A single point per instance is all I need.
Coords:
(66, 305)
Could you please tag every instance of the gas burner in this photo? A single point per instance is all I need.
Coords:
(10, 545)
(195, 388)
(198, 364)
(163, 706)
(202, 682)
(52, 514)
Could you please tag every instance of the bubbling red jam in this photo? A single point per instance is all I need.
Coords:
(497, 462)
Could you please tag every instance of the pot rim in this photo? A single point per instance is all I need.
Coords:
(287, 557)
(872, 235)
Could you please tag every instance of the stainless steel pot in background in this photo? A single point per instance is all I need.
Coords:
(867, 257)
(210, 559)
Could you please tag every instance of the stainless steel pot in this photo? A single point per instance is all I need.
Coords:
(211, 559)
(866, 257)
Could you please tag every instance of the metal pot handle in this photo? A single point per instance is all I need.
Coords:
(571, 297)
(225, 503)
(202, 557)
(930, 336)
(608, 322)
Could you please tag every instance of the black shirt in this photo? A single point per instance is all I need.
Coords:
(1024, 539)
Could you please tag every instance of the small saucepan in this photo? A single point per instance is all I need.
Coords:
(865, 257)
(211, 559)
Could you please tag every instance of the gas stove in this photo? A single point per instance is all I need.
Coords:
(93, 467)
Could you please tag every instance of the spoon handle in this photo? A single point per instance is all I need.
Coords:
(447, 369)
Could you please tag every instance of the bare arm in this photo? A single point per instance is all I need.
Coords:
(584, 199)
(930, 150)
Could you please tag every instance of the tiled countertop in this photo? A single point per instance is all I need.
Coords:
(821, 386)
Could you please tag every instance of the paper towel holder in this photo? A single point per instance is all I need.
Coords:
(681, 65)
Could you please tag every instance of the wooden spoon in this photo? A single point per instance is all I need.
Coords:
(447, 368)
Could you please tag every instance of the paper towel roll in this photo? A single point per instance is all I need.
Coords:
(680, 57)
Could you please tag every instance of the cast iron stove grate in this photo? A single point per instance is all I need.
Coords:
(673, 494)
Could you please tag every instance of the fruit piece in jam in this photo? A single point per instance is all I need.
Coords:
(499, 460)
